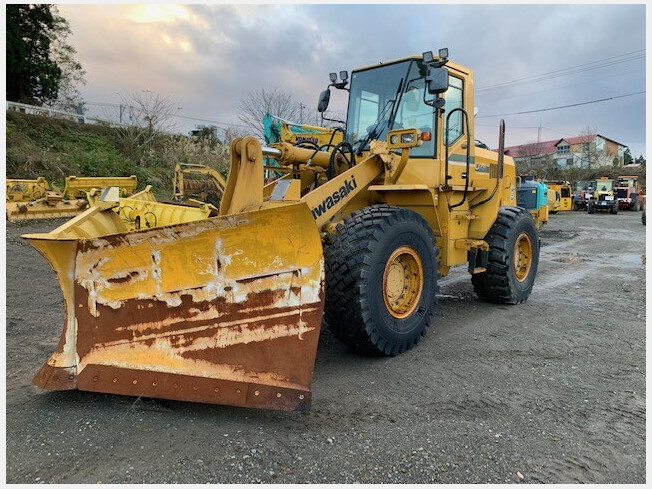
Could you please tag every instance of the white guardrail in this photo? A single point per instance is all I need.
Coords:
(50, 112)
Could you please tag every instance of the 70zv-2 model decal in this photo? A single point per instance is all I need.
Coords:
(335, 197)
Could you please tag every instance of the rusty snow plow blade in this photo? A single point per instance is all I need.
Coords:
(225, 310)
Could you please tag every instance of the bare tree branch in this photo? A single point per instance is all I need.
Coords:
(256, 104)
(588, 152)
(143, 117)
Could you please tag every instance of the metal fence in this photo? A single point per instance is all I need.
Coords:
(61, 114)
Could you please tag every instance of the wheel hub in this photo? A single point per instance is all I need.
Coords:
(402, 282)
(522, 256)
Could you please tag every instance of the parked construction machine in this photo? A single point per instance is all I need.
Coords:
(277, 130)
(201, 182)
(563, 198)
(532, 195)
(629, 193)
(554, 200)
(37, 199)
(24, 190)
(228, 309)
(600, 196)
(579, 198)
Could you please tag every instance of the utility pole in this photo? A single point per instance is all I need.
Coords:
(539, 133)
(301, 107)
(121, 109)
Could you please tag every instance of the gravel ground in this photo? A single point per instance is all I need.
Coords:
(552, 390)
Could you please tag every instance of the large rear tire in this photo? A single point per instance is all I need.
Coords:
(590, 208)
(513, 258)
(382, 269)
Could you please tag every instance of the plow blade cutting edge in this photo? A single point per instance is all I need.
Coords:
(224, 310)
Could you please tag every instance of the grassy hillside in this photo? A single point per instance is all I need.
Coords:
(54, 149)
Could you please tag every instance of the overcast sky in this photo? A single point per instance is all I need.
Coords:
(205, 58)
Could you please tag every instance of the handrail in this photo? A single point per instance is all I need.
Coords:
(468, 155)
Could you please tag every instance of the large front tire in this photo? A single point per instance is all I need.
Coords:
(513, 258)
(382, 269)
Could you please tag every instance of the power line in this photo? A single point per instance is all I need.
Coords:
(581, 68)
(562, 106)
(567, 71)
(179, 116)
(553, 89)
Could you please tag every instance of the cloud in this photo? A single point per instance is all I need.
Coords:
(207, 57)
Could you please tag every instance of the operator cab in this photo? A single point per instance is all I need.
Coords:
(400, 94)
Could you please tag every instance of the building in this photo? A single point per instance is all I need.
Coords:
(592, 151)
(204, 131)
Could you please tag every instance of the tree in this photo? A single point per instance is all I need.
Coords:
(39, 60)
(143, 117)
(588, 152)
(256, 104)
(72, 73)
(641, 161)
(628, 159)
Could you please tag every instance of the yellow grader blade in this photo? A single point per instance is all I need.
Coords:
(76, 187)
(50, 207)
(225, 310)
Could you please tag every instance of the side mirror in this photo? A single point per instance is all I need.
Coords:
(324, 98)
(437, 80)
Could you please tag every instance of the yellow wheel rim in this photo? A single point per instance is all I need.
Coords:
(522, 256)
(402, 282)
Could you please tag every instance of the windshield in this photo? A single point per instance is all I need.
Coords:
(389, 97)
(625, 182)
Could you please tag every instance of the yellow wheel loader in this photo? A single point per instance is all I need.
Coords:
(565, 195)
(228, 309)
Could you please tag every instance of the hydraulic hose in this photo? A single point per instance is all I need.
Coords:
(340, 148)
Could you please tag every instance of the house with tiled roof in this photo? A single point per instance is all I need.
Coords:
(591, 151)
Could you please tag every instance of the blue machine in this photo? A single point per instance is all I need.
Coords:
(531, 195)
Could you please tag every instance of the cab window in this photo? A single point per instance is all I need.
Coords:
(369, 106)
(414, 113)
(454, 100)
